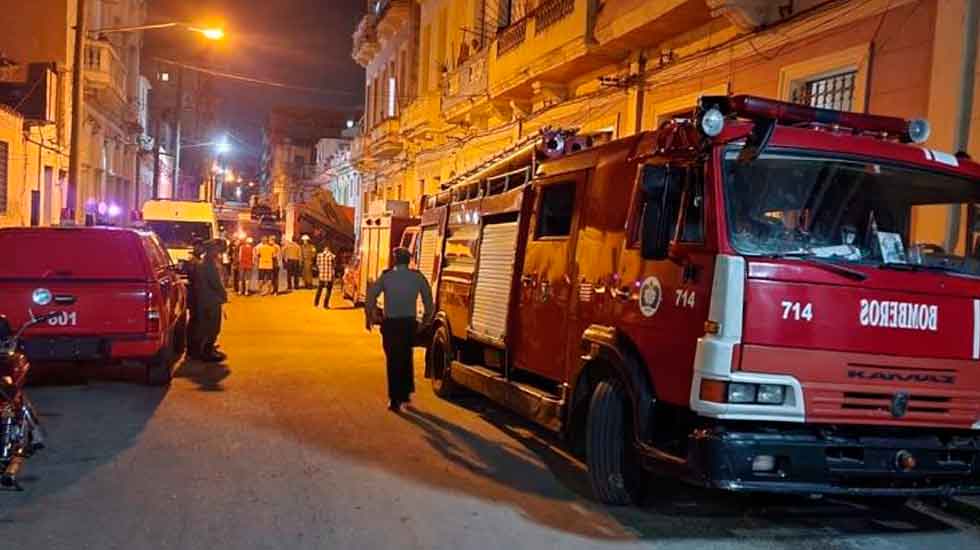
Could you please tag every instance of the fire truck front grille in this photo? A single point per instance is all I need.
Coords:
(867, 401)
(851, 404)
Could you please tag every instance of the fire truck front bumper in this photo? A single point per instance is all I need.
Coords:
(818, 462)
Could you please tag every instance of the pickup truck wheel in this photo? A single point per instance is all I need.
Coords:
(615, 475)
(180, 338)
(159, 370)
(440, 356)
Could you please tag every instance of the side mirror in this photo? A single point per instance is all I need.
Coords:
(659, 205)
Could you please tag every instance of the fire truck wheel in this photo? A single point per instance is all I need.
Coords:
(613, 469)
(441, 356)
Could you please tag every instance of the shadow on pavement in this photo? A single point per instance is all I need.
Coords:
(86, 427)
(672, 510)
(207, 376)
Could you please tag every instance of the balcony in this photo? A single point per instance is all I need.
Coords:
(557, 42)
(391, 15)
(386, 139)
(366, 44)
(466, 86)
(638, 24)
(421, 116)
(104, 69)
(551, 43)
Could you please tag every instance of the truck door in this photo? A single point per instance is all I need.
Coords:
(661, 305)
(547, 282)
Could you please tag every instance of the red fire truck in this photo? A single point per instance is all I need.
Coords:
(768, 297)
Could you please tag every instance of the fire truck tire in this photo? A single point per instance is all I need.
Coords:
(441, 354)
(613, 470)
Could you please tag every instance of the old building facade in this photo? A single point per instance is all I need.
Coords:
(491, 73)
(114, 107)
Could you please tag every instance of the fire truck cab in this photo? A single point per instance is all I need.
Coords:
(768, 297)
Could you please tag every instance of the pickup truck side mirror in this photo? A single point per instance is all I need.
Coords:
(660, 200)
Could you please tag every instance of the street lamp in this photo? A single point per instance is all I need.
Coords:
(78, 94)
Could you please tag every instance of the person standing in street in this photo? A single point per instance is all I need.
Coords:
(277, 264)
(211, 295)
(233, 254)
(190, 268)
(309, 257)
(265, 258)
(245, 264)
(325, 275)
(402, 288)
(292, 254)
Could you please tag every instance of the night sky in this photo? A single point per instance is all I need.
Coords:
(301, 42)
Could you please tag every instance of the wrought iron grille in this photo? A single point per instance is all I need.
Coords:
(552, 12)
(511, 37)
(829, 92)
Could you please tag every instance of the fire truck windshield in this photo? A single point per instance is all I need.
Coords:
(852, 211)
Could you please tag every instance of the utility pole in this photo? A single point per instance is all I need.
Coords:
(156, 157)
(177, 123)
(77, 98)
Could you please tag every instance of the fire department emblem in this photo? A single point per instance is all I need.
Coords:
(651, 294)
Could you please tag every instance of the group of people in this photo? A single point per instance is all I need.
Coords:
(302, 264)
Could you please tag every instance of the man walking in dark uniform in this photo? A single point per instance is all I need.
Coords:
(211, 294)
(402, 288)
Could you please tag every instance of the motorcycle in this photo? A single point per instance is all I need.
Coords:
(20, 431)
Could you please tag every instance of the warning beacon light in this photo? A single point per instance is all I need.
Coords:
(714, 110)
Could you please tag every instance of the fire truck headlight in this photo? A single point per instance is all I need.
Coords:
(712, 122)
(771, 394)
(741, 393)
(919, 130)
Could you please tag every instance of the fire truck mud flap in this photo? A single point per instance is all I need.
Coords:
(853, 464)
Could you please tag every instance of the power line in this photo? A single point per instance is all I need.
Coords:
(254, 80)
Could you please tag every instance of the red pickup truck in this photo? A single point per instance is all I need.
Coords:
(119, 296)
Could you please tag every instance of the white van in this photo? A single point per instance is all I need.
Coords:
(179, 223)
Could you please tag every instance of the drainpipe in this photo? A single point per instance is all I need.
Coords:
(964, 108)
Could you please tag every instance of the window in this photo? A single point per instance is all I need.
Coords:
(392, 94)
(692, 226)
(4, 153)
(835, 91)
(650, 180)
(838, 80)
(555, 211)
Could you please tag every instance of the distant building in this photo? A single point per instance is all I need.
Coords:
(342, 179)
(290, 151)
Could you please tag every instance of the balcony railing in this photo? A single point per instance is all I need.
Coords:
(466, 82)
(511, 37)
(551, 12)
(544, 16)
(104, 68)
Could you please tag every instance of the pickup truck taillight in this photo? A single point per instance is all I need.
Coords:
(152, 315)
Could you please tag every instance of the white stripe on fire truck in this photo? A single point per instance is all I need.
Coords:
(976, 329)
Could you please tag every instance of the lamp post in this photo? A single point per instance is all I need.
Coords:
(78, 82)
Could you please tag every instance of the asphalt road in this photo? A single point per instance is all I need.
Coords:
(289, 445)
